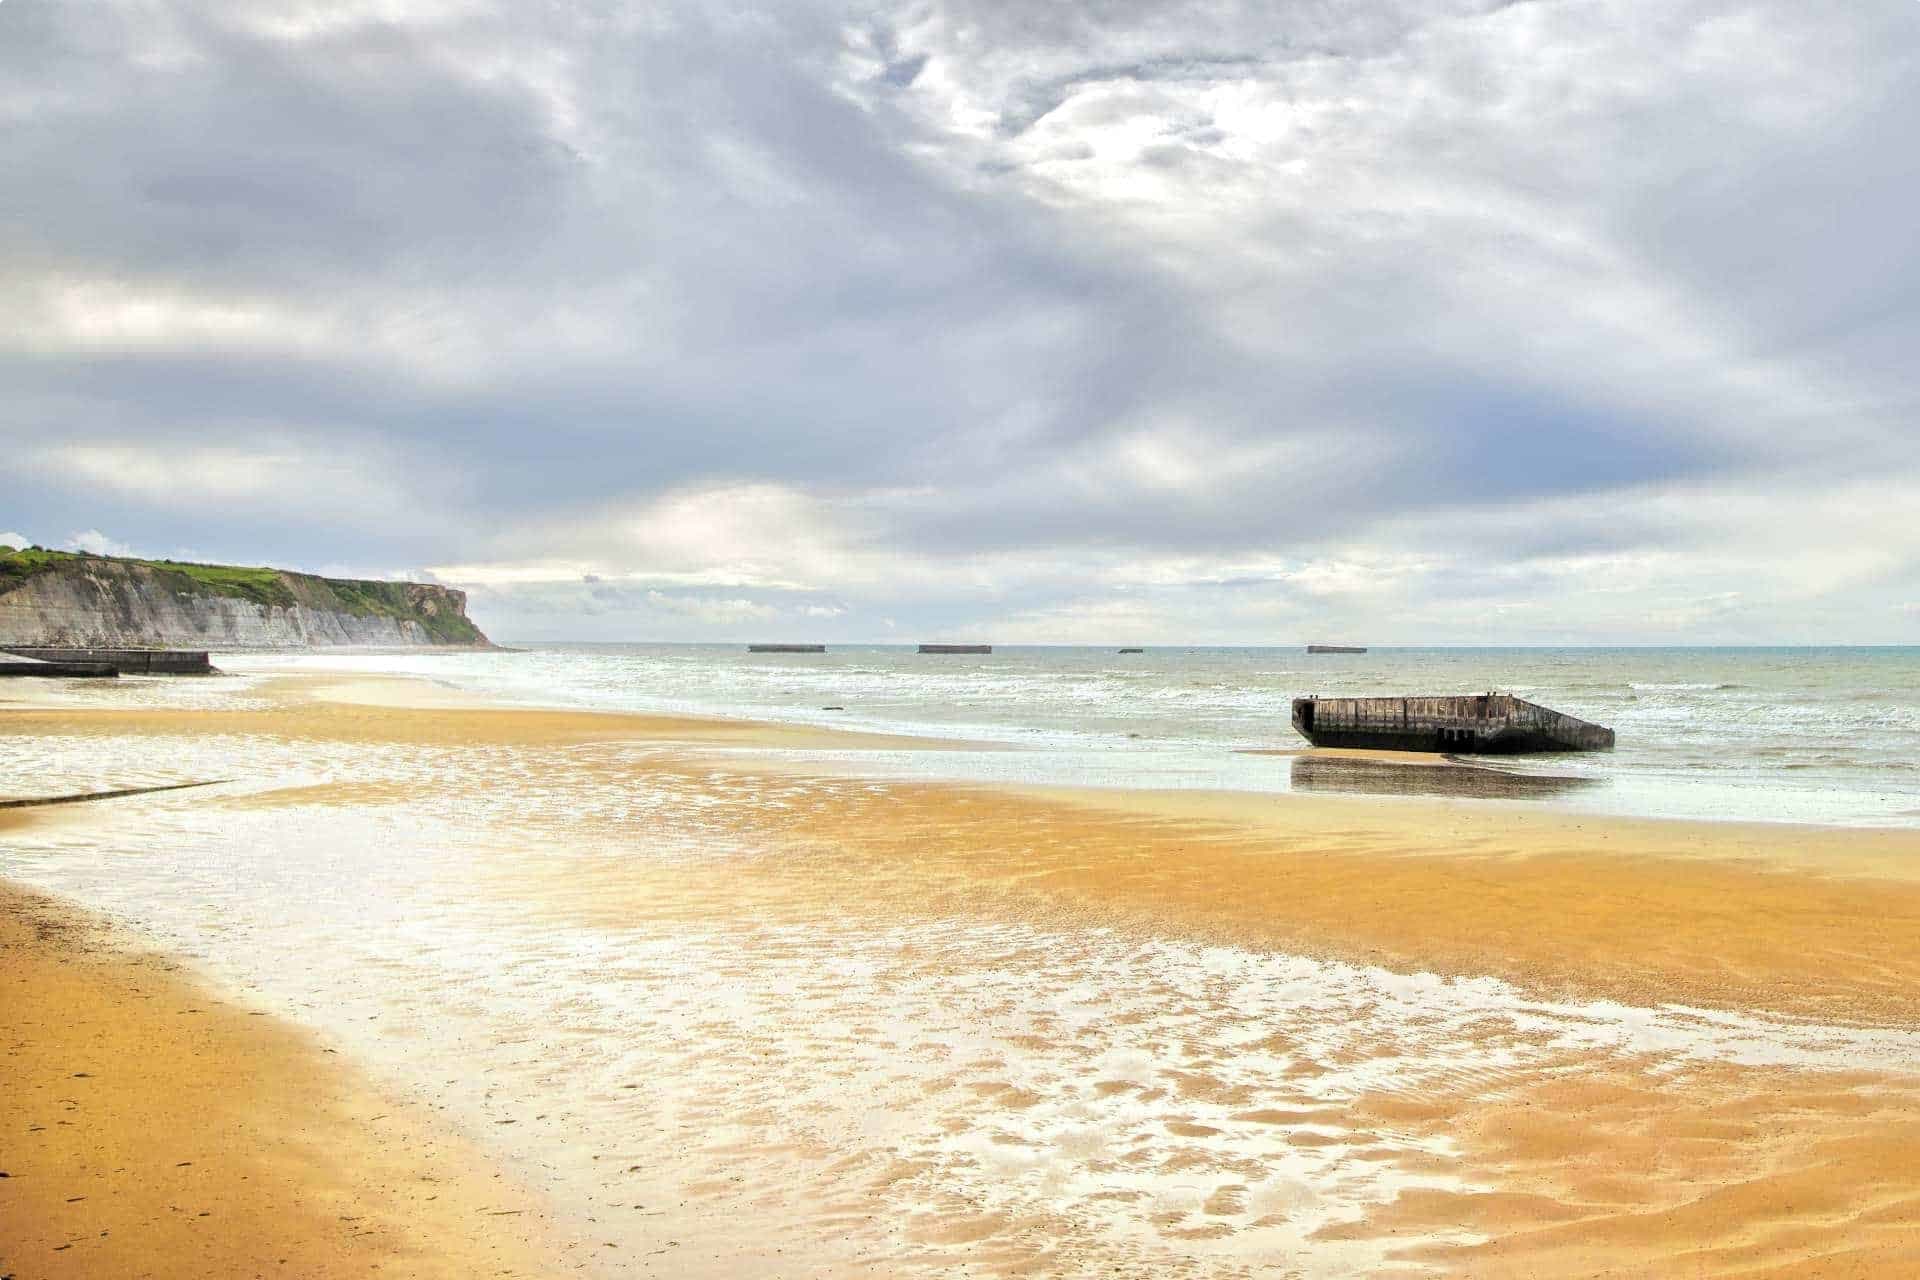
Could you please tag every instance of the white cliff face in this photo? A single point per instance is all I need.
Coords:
(135, 609)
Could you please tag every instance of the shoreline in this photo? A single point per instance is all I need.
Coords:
(157, 1129)
(1478, 788)
(1244, 866)
(1765, 976)
(1712, 764)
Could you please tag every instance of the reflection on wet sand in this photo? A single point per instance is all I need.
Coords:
(1372, 775)
(783, 1024)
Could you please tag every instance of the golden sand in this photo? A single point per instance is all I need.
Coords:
(152, 1129)
(1611, 1164)
(1644, 912)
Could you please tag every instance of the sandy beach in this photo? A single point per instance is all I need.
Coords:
(793, 1019)
(154, 1129)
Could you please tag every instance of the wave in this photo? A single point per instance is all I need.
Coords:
(1682, 687)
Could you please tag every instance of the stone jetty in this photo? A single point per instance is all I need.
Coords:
(13, 664)
(128, 662)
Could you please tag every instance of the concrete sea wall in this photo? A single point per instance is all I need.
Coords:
(142, 662)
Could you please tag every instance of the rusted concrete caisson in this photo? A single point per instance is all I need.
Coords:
(1491, 724)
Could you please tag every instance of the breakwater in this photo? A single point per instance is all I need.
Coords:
(141, 662)
(14, 664)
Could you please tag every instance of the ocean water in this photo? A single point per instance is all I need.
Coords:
(1817, 735)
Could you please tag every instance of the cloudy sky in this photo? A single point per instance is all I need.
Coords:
(1394, 321)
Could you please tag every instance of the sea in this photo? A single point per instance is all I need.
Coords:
(1827, 736)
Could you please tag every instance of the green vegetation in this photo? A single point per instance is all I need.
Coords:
(19, 564)
(277, 588)
(371, 598)
(262, 586)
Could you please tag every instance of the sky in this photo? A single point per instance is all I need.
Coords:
(1381, 321)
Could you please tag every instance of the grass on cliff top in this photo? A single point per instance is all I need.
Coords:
(367, 598)
(17, 564)
(262, 586)
(372, 598)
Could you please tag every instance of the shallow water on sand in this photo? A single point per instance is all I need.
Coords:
(591, 957)
(1826, 735)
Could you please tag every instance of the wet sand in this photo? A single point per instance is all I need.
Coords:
(913, 1026)
(152, 1129)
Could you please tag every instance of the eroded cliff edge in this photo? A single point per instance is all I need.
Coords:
(62, 598)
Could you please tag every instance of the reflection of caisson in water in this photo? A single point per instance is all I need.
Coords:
(1491, 723)
(1378, 777)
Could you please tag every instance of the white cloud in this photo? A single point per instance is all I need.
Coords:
(712, 610)
(283, 474)
(1659, 564)
(98, 543)
(108, 315)
(1429, 319)
(15, 540)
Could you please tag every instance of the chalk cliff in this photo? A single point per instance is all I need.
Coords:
(57, 598)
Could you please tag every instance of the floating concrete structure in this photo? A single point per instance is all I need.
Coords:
(13, 664)
(1336, 648)
(136, 662)
(1490, 724)
(786, 648)
(956, 648)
